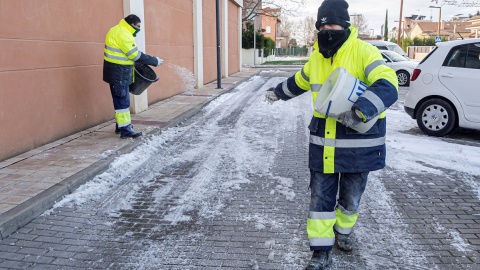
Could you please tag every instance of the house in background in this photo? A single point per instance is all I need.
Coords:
(283, 39)
(450, 30)
(270, 22)
(409, 23)
(474, 27)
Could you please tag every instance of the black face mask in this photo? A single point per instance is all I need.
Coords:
(329, 41)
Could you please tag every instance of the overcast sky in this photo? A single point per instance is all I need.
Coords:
(374, 10)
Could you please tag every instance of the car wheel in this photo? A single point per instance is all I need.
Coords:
(436, 117)
(403, 78)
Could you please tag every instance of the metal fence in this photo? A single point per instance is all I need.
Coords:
(291, 51)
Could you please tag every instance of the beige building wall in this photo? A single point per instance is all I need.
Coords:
(210, 41)
(233, 38)
(51, 70)
(169, 36)
(416, 32)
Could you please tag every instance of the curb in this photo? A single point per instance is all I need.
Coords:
(22, 214)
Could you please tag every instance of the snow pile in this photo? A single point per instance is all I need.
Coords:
(290, 58)
(120, 169)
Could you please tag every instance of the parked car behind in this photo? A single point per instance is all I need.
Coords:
(389, 46)
(445, 88)
(403, 67)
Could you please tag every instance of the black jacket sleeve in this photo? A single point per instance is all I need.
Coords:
(147, 60)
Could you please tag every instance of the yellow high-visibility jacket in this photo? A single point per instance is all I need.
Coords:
(333, 146)
(120, 53)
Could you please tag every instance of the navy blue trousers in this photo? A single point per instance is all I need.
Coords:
(120, 96)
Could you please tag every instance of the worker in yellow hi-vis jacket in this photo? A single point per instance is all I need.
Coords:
(340, 158)
(120, 54)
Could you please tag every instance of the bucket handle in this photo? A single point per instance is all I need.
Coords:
(328, 109)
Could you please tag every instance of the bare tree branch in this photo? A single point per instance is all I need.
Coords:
(360, 22)
(288, 7)
(307, 31)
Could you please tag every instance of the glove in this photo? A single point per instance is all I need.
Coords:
(351, 119)
(159, 62)
(270, 96)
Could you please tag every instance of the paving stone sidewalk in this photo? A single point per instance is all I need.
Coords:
(31, 182)
(409, 219)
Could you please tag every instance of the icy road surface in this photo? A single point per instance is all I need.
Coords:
(229, 189)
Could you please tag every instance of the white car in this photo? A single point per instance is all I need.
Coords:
(389, 46)
(403, 67)
(445, 88)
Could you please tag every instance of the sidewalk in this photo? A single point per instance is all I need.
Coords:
(33, 181)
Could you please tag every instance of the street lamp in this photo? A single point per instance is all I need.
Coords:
(439, 17)
(399, 23)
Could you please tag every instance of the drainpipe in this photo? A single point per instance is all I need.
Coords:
(219, 68)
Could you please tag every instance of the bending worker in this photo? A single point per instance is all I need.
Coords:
(339, 157)
(120, 54)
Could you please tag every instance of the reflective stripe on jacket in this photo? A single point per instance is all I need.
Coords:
(333, 146)
(120, 45)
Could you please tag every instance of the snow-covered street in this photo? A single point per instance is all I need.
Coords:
(229, 189)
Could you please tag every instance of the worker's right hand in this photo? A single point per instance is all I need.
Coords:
(159, 62)
(351, 119)
(270, 96)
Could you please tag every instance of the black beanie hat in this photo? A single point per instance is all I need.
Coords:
(333, 12)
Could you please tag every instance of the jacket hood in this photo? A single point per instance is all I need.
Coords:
(123, 24)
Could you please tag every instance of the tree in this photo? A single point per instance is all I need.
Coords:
(292, 42)
(407, 42)
(361, 23)
(252, 8)
(286, 26)
(429, 41)
(307, 31)
(385, 30)
(247, 37)
(418, 42)
(269, 45)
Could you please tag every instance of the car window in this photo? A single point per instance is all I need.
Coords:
(395, 57)
(380, 47)
(385, 58)
(456, 57)
(396, 49)
(428, 55)
(473, 56)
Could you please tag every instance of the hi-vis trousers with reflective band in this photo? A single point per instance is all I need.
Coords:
(121, 103)
(326, 214)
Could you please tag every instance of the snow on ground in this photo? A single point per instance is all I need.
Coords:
(422, 153)
(406, 151)
(290, 58)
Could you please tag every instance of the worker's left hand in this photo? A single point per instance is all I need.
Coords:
(159, 62)
(351, 119)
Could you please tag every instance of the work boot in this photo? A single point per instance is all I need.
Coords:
(320, 260)
(344, 242)
(128, 132)
(116, 129)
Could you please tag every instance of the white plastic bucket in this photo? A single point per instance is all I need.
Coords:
(337, 95)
